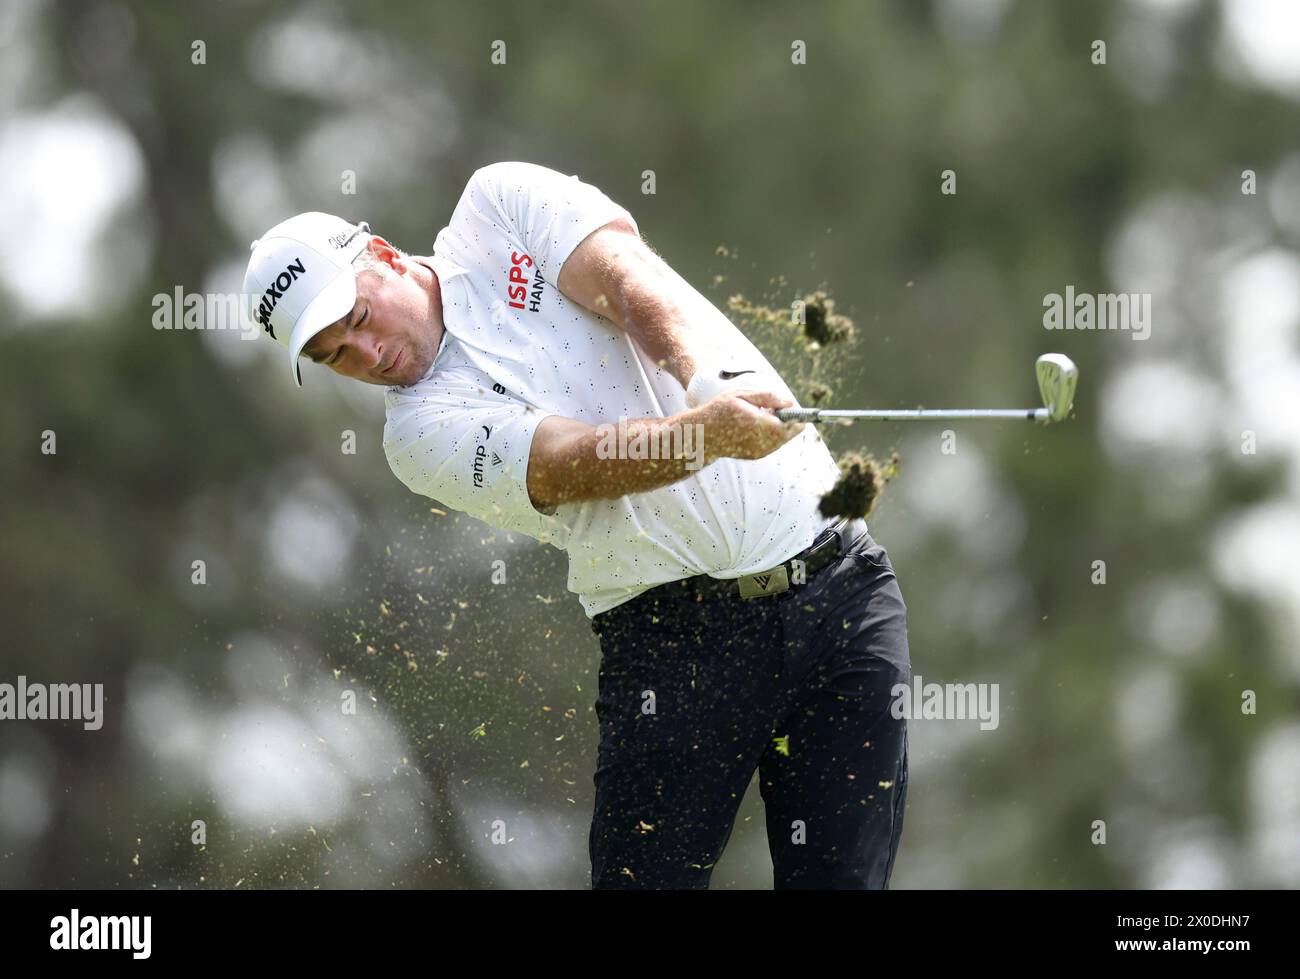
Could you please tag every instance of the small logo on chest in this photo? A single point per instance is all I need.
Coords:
(480, 456)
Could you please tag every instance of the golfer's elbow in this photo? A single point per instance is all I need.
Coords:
(555, 462)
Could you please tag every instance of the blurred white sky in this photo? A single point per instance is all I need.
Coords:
(71, 173)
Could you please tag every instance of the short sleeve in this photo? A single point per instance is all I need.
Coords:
(550, 212)
(474, 458)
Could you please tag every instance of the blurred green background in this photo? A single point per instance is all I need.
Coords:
(129, 170)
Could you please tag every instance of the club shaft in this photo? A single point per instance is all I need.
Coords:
(816, 415)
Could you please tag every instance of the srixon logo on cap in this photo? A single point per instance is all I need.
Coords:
(272, 296)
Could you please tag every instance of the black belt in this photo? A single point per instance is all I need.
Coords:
(821, 552)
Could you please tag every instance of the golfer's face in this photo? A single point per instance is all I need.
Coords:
(383, 339)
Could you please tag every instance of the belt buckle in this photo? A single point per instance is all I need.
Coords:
(764, 583)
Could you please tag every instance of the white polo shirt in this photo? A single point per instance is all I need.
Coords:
(516, 350)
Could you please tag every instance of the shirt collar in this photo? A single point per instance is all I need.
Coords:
(444, 268)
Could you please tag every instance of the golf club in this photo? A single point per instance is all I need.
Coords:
(1057, 378)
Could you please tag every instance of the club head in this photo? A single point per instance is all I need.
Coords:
(1057, 378)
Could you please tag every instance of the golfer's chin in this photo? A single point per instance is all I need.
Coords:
(410, 370)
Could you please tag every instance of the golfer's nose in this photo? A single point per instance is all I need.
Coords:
(369, 351)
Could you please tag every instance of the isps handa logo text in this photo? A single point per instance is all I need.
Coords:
(518, 290)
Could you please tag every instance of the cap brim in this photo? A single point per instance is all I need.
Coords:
(332, 303)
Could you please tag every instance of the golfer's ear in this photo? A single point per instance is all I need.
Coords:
(386, 253)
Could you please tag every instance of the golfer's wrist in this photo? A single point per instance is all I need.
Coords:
(696, 382)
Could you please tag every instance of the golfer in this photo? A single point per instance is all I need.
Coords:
(549, 374)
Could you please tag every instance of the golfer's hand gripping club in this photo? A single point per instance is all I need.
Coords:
(744, 425)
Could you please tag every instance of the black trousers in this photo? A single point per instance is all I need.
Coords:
(694, 695)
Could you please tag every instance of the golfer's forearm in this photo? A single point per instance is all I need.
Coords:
(644, 297)
(658, 324)
(615, 273)
(608, 461)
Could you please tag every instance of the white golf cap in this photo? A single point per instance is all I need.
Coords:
(300, 278)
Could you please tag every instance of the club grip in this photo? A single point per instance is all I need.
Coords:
(797, 414)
